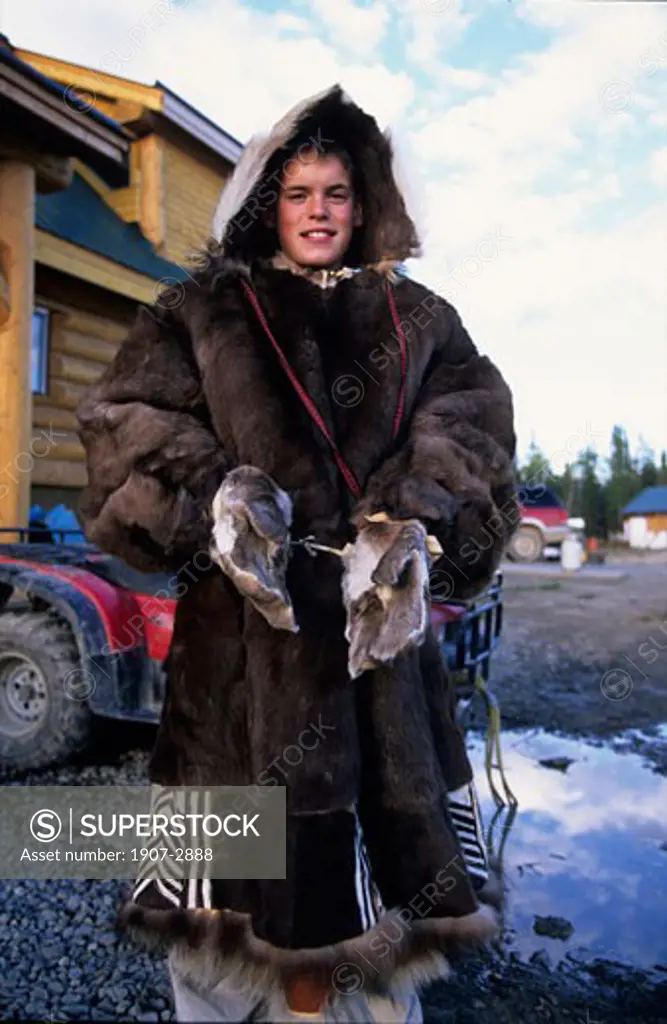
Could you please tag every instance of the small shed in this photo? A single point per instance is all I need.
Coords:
(645, 519)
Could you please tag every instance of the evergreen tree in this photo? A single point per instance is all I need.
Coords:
(624, 482)
(589, 501)
(565, 487)
(593, 492)
(536, 469)
(648, 471)
(662, 472)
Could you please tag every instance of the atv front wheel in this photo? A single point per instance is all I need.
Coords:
(43, 718)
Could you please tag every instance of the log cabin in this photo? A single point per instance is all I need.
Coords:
(106, 188)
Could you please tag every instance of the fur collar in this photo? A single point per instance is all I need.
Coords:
(322, 277)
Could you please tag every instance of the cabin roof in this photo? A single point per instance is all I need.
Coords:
(651, 499)
(79, 215)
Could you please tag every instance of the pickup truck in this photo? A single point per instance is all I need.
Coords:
(544, 522)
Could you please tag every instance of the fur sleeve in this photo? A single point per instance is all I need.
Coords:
(454, 471)
(153, 461)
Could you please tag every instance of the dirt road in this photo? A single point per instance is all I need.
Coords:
(585, 657)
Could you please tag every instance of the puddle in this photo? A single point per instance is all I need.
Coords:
(585, 845)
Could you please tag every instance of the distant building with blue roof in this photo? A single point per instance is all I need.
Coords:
(645, 519)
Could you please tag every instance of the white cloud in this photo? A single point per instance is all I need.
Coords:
(241, 67)
(286, 22)
(575, 319)
(429, 27)
(573, 308)
(574, 316)
(601, 790)
(542, 104)
(359, 30)
(464, 78)
(658, 167)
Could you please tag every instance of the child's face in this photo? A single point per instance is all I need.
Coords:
(317, 211)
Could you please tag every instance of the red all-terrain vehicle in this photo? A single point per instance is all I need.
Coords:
(83, 635)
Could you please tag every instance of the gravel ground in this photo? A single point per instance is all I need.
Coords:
(60, 958)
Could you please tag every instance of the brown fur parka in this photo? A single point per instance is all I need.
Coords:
(196, 390)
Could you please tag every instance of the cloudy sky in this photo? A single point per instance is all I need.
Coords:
(534, 135)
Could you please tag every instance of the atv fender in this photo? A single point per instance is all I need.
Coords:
(106, 624)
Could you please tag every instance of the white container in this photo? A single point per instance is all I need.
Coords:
(571, 554)
(638, 532)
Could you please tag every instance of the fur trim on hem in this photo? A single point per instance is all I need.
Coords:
(207, 947)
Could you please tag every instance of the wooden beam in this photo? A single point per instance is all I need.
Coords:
(78, 305)
(127, 201)
(80, 321)
(58, 445)
(32, 97)
(80, 371)
(123, 111)
(17, 218)
(92, 179)
(54, 173)
(65, 394)
(58, 473)
(89, 266)
(96, 82)
(153, 214)
(50, 417)
(5, 295)
(87, 346)
(127, 204)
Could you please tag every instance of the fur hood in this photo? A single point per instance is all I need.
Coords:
(388, 235)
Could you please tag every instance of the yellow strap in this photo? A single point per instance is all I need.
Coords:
(493, 743)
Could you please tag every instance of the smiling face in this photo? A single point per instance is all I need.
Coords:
(316, 211)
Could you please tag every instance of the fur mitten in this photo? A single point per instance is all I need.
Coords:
(386, 590)
(252, 516)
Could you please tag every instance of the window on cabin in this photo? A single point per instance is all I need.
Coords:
(40, 350)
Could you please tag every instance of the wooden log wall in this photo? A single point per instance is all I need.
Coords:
(192, 191)
(81, 344)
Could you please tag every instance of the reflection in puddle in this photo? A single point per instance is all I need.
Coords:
(585, 845)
